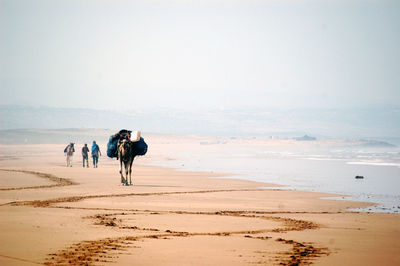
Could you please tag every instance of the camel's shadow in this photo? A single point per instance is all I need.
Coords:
(158, 186)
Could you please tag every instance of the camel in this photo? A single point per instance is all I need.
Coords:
(69, 152)
(125, 151)
(126, 154)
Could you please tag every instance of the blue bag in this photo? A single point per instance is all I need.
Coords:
(140, 147)
(112, 147)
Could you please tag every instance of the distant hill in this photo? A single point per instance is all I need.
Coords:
(87, 135)
(376, 144)
(381, 123)
(54, 136)
(305, 138)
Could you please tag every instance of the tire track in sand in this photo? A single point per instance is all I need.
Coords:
(51, 202)
(107, 250)
(59, 181)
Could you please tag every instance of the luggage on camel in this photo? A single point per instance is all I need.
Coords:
(140, 146)
(112, 145)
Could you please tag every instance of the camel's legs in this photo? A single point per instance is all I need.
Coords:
(130, 171)
(120, 171)
(126, 173)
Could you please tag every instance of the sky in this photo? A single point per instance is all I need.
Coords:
(199, 54)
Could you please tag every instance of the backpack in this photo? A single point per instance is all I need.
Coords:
(73, 148)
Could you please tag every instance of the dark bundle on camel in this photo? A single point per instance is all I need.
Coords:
(114, 140)
(123, 148)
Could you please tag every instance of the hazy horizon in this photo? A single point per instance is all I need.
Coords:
(199, 54)
(381, 123)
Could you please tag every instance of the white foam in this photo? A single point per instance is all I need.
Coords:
(375, 163)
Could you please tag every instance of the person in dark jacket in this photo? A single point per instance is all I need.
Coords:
(85, 155)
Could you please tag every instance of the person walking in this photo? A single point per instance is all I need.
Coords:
(95, 153)
(85, 155)
(69, 152)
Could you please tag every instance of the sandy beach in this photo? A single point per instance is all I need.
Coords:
(54, 215)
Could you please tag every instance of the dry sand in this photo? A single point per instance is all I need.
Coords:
(54, 215)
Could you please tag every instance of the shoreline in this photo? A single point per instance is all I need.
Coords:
(263, 161)
(369, 208)
(275, 186)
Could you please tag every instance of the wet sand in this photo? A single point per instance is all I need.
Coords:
(54, 215)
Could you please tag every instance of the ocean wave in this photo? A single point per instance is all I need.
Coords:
(375, 163)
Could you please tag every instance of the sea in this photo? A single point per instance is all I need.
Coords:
(318, 168)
